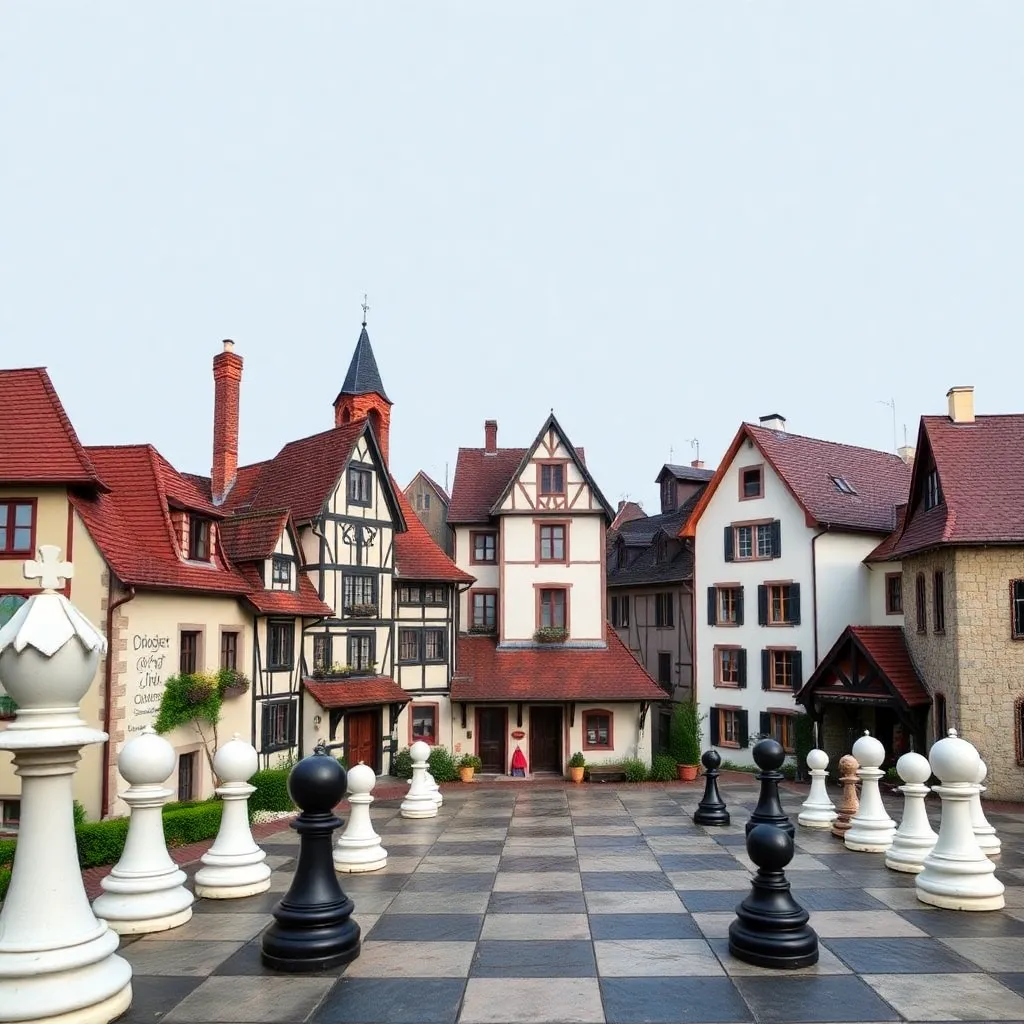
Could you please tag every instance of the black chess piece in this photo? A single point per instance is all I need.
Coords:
(711, 809)
(313, 928)
(771, 928)
(769, 755)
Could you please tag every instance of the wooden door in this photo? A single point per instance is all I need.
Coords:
(546, 739)
(362, 739)
(491, 731)
(187, 776)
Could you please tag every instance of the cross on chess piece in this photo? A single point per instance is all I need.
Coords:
(848, 802)
(769, 755)
(51, 572)
(711, 809)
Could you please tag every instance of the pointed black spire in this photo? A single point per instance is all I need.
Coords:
(363, 377)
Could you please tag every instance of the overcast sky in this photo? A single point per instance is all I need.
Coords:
(659, 218)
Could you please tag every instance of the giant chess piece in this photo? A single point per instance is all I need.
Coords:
(711, 809)
(769, 755)
(419, 801)
(435, 789)
(234, 866)
(848, 801)
(313, 928)
(145, 890)
(984, 832)
(771, 928)
(817, 811)
(915, 838)
(871, 829)
(956, 874)
(58, 961)
(359, 847)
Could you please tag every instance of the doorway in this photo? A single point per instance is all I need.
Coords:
(362, 738)
(491, 730)
(187, 776)
(546, 740)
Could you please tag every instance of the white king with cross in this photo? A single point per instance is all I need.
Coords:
(49, 569)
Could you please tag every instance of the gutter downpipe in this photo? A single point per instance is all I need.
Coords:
(108, 675)
(814, 585)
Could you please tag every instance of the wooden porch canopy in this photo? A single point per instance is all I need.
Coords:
(867, 665)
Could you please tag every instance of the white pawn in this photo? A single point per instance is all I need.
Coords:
(915, 838)
(956, 874)
(358, 848)
(144, 891)
(984, 832)
(817, 811)
(871, 829)
(435, 789)
(234, 866)
(419, 801)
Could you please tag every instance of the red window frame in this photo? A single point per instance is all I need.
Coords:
(10, 506)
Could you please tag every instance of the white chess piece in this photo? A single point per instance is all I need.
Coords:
(359, 848)
(817, 811)
(871, 829)
(984, 831)
(419, 801)
(145, 890)
(956, 874)
(915, 838)
(234, 866)
(434, 788)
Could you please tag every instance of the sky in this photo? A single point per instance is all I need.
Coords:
(659, 219)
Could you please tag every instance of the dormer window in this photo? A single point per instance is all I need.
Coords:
(198, 539)
(751, 483)
(843, 485)
(552, 478)
(932, 489)
(668, 494)
(360, 486)
(661, 549)
(281, 571)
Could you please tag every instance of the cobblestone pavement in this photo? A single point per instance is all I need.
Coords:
(591, 904)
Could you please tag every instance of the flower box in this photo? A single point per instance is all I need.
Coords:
(551, 635)
(361, 611)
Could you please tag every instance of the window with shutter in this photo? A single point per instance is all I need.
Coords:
(762, 605)
(743, 738)
(782, 604)
(743, 669)
(715, 737)
(776, 539)
(712, 606)
(766, 670)
(729, 666)
(729, 543)
(798, 671)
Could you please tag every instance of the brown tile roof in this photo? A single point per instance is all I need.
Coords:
(884, 551)
(357, 692)
(303, 601)
(549, 673)
(417, 555)
(808, 466)
(628, 511)
(981, 473)
(38, 444)
(480, 476)
(252, 536)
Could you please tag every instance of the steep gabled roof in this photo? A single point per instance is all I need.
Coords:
(981, 472)
(417, 556)
(38, 444)
(645, 568)
(304, 601)
(688, 474)
(363, 377)
(253, 536)
(810, 467)
(627, 513)
(884, 551)
(432, 484)
(480, 476)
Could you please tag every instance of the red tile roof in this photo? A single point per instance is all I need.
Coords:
(884, 551)
(417, 555)
(549, 673)
(252, 536)
(981, 473)
(807, 465)
(480, 477)
(628, 511)
(303, 601)
(349, 693)
(38, 444)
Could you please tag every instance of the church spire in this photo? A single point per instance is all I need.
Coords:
(362, 395)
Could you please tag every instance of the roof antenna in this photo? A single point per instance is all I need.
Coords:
(366, 309)
(695, 443)
(891, 403)
(671, 453)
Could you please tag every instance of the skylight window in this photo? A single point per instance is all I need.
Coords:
(843, 485)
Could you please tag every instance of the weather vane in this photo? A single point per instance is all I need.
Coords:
(695, 443)
(366, 309)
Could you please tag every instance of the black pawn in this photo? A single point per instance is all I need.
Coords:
(769, 755)
(313, 928)
(711, 809)
(771, 928)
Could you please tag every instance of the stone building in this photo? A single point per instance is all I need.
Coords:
(430, 501)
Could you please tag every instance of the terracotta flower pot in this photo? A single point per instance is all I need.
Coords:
(687, 772)
(466, 774)
(576, 774)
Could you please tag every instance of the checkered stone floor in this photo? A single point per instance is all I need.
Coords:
(594, 904)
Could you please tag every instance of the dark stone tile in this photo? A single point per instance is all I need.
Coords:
(373, 883)
(541, 958)
(820, 998)
(443, 881)
(246, 962)
(1014, 982)
(940, 924)
(263, 903)
(485, 849)
(836, 899)
(612, 844)
(539, 831)
(711, 901)
(154, 997)
(515, 863)
(624, 881)
(697, 862)
(801, 880)
(644, 926)
(666, 830)
(730, 840)
(899, 956)
(280, 849)
(395, 1000)
(672, 1001)
(536, 903)
(426, 928)
(880, 879)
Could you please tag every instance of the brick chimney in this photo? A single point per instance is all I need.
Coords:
(906, 452)
(961, 404)
(227, 384)
(697, 464)
(491, 436)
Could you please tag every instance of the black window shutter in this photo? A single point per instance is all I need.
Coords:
(766, 670)
(714, 727)
(264, 727)
(744, 736)
(798, 671)
(292, 709)
(741, 664)
(739, 606)
(776, 539)
(712, 606)
(728, 543)
(762, 605)
(766, 724)
(794, 603)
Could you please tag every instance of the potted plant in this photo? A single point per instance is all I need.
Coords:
(685, 739)
(362, 610)
(468, 764)
(577, 766)
(233, 683)
(551, 635)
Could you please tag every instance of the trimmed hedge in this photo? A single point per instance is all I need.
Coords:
(271, 791)
(663, 768)
(442, 765)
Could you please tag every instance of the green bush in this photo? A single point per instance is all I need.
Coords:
(7, 851)
(471, 761)
(79, 813)
(401, 764)
(578, 760)
(442, 765)
(271, 791)
(663, 768)
(5, 881)
(635, 769)
(101, 842)
(686, 733)
(184, 825)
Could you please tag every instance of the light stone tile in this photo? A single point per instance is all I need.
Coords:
(606, 830)
(537, 881)
(653, 958)
(937, 997)
(633, 903)
(365, 921)
(899, 899)
(828, 963)
(713, 925)
(435, 863)
(850, 924)
(177, 959)
(219, 927)
(371, 902)
(439, 903)
(640, 861)
(663, 821)
(260, 1000)
(805, 862)
(532, 1001)
(994, 956)
(683, 844)
(275, 860)
(430, 960)
(390, 839)
(472, 835)
(528, 927)
(708, 880)
(533, 847)
(280, 881)
(397, 866)
(533, 821)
